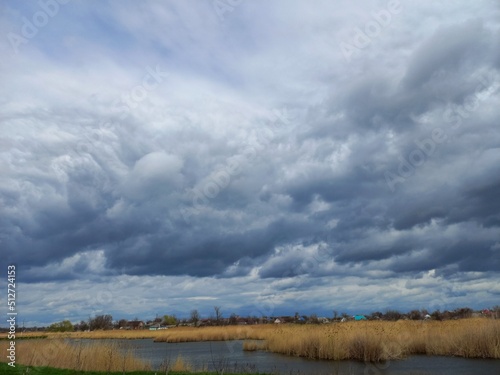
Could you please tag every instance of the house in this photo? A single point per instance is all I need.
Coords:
(135, 324)
(154, 327)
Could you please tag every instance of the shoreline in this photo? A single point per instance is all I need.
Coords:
(45, 370)
(372, 341)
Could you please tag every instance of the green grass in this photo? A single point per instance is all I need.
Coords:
(5, 369)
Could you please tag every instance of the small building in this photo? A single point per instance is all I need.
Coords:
(135, 324)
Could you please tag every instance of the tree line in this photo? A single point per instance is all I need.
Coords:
(106, 322)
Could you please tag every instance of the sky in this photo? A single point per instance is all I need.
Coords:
(267, 157)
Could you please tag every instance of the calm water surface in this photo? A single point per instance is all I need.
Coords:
(213, 354)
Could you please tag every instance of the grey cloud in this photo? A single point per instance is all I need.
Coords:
(448, 52)
(78, 178)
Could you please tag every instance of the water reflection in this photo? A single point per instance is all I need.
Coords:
(213, 355)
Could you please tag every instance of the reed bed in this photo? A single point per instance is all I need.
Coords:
(98, 334)
(381, 341)
(90, 356)
(370, 341)
(252, 345)
(176, 334)
(188, 334)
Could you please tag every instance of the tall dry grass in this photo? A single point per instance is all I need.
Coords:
(89, 356)
(181, 364)
(469, 341)
(187, 334)
(177, 334)
(366, 340)
(99, 334)
(380, 341)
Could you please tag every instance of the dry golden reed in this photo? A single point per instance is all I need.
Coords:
(366, 341)
(88, 356)
(98, 334)
(177, 334)
(181, 365)
(186, 334)
(252, 345)
(379, 341)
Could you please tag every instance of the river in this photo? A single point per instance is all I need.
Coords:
(230, 355)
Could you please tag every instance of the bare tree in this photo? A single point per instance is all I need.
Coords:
(195, 317)
(392, 315)
(233, 319)
(101, 322)
(496, 312)
(218, 315)
(415, 315)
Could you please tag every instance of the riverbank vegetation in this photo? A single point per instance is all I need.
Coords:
(60, 357)
(379, 341)
(357, 340)
(89, 356)
(105, 322)
(190, 334)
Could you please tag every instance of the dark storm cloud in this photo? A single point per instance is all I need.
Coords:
(466, 256)
(480, 203)
(200, 253)
(268, 164)
(445, 67)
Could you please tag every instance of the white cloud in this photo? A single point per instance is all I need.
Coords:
(100, 174)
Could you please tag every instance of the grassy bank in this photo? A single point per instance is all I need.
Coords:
(22, 370)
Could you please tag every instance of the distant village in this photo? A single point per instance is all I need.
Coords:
(106, 322)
